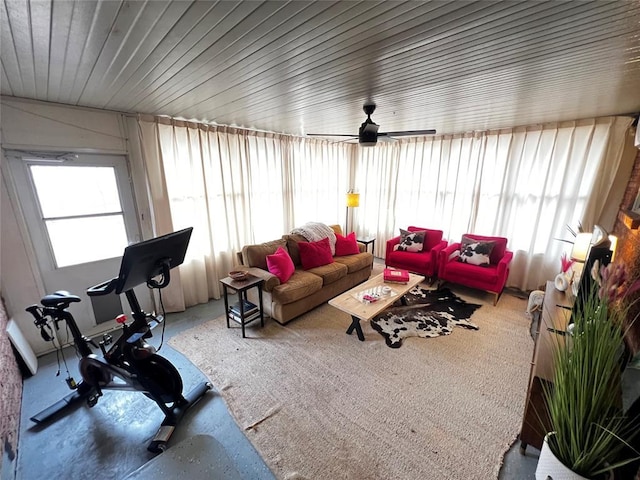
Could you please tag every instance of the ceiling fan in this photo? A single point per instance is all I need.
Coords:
(368, 133)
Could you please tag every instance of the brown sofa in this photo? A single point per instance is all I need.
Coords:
(306, 289)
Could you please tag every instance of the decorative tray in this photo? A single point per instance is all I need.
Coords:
(372, 295)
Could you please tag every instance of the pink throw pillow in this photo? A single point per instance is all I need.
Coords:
(346, 245)
(315, 254)
(281, 265)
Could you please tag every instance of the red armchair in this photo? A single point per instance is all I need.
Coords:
(424, 262)
(491, 278)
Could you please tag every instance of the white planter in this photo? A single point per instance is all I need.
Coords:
(561, 282)
(550, 467)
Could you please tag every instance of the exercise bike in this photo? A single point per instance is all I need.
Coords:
(130, 363)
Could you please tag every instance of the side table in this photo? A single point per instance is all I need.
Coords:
(366, 241)
(241, 287)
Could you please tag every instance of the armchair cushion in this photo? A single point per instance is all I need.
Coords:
(499, 245)
(411, 241)
(475, 252)
(460, 271)
(432, 238)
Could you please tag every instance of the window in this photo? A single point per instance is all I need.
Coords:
(81, 211)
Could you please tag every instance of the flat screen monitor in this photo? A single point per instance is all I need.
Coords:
(144, 260)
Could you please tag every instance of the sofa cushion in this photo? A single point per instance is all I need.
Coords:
(281, 265)
(476, 253)
(300, 285)
(315, 254)
(256, 255)
(431, 238)
(330, 272)
(292, 240)
(357, 262)
(410, 241)
(346, 245)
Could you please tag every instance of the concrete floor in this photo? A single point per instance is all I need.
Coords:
(109, 440)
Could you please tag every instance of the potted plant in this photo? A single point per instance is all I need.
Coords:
(590, 433)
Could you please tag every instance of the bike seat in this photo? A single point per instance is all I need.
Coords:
(60, 299)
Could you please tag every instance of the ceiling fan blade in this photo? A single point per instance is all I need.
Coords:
(330, 135)
(407, 133)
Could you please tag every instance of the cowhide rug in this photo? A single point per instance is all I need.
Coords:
(428, 313)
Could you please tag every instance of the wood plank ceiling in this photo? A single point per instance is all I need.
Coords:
(308, 67)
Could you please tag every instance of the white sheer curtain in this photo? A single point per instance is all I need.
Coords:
(235, 187)
(525, 184)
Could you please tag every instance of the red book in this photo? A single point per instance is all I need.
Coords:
(396, 276)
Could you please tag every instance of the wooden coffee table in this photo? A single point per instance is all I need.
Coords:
(347, 302)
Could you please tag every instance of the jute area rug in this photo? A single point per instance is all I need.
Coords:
(319, 404)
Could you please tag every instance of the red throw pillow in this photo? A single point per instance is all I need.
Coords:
(315, 254)
(281, 265)
(346, 245)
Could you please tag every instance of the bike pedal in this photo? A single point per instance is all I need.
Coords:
(93, 399)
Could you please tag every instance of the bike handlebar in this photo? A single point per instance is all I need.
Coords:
(103, 288)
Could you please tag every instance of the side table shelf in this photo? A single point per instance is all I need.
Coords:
(238, 311)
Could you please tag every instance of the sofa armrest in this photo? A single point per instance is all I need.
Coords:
(435, 253)
(441, 246)
(270, 280)
(503, 264)
(445, 253)
(390, 244)
(448, 250)
(362, 247)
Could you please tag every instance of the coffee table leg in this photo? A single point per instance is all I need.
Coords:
(355, 325)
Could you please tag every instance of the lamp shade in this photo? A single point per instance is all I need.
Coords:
(353, 199)
(581, 247)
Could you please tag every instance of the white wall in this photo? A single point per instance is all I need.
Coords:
(32, 125)
(37, 126)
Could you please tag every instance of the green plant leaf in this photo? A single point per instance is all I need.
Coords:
(591, 431)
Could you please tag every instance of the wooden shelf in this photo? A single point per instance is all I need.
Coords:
(630, 219)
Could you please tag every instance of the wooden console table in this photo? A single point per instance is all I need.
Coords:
(556, 313)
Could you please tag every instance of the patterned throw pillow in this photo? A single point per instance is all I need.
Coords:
(411, 241)
(475, 252)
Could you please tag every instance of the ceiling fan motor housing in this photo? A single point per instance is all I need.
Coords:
(368, 132)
